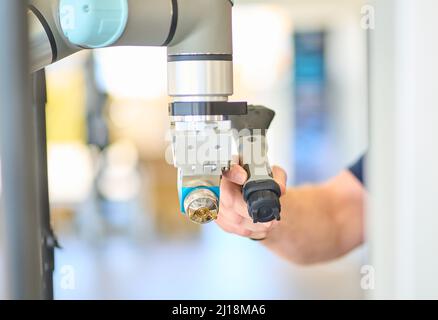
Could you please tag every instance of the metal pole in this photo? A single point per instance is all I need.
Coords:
(49, 242)
(18, 155)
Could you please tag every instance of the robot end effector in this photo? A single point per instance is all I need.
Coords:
(198, 35)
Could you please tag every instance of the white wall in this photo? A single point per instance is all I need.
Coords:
(403, 220)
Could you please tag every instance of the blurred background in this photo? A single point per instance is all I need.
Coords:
(114, 197)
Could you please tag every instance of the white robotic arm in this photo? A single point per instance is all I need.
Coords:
(198, 35)
(187, 27)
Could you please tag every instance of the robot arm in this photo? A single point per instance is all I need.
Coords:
(198, 37)
(195, 30)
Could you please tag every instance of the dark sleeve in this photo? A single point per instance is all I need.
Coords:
(357, 169)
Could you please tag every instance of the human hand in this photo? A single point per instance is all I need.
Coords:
(233, 213)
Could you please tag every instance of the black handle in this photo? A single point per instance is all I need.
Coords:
(263, 200)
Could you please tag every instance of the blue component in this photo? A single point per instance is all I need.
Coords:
(93, 23)
(184, 192)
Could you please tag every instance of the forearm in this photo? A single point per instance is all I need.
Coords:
(320, 222)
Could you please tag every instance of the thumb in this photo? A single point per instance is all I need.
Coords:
(280, 177)
(236, 175)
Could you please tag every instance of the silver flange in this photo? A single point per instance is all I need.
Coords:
(201, 206)
(192, 80)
